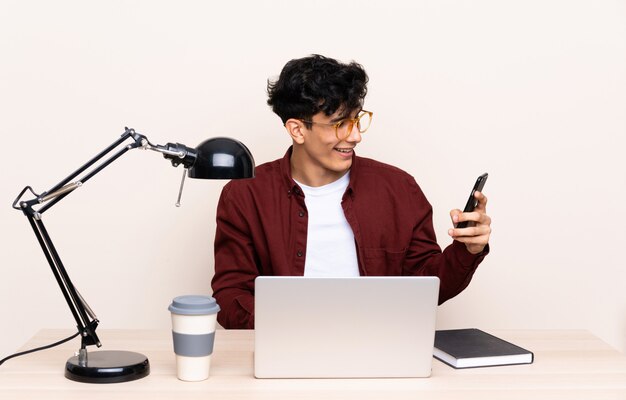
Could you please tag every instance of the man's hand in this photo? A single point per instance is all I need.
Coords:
(475, 237)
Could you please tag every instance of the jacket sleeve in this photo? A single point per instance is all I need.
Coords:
(455, 266)
(235, 268)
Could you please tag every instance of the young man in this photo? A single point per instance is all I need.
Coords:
(323, 211)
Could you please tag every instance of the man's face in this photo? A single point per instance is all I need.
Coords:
(324, 155)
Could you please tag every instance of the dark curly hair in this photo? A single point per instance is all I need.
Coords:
(316, 83)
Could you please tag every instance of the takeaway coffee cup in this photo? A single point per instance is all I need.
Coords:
(193, 330)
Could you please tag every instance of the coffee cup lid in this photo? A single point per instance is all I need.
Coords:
(194, 305)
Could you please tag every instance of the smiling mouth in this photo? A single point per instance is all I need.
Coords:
(343, 150)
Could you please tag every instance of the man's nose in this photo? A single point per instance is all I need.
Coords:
(355, 135)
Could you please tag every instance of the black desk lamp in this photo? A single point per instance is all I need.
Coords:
(217, 158)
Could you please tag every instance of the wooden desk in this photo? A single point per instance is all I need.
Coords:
(568, 365)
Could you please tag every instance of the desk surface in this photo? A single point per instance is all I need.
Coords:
(568, 365)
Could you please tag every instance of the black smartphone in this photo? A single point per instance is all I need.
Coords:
(471, 201)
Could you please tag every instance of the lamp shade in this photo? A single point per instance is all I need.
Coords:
(222, 158)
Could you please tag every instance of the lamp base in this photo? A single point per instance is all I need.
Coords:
(108, 366)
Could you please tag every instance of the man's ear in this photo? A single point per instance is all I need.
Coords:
(296, 130)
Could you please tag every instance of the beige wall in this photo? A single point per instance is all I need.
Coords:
(534, 92)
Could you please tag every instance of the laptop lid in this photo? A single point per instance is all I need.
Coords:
(361, 327)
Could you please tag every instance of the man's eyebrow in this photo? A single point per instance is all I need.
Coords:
(340, 118)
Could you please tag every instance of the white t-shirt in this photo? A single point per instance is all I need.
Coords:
(330, 247)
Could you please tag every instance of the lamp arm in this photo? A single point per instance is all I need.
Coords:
(85, 318)
(176, 153)
(63, 188)
(86, 321)
(199, 161)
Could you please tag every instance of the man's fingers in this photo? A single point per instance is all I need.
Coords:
(482, 201)
(474, 216)
(472, 239)
(454, 215)
(473, 231)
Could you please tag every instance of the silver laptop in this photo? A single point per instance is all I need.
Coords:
(363, 327)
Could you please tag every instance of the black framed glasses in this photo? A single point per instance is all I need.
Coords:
(345, 126)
